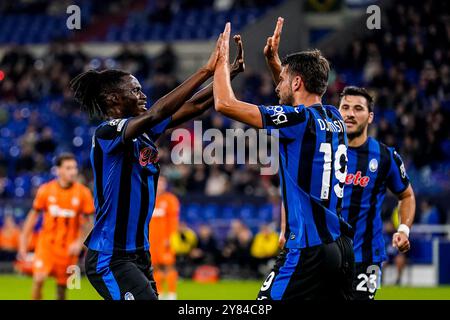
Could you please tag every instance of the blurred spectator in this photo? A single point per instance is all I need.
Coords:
(161, 11)
(197, 179)
(26, 160)
(9, 239)
(236, 250)
(46, 144)
(133, 59)
(430, 213)
(264, 246)
(192, 4)
(183, 242)
(207, 251)
(216, 183)
(166, 61)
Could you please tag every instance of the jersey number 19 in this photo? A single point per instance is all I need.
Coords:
(340, 176)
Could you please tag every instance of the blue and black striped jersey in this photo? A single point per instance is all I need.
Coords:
(313, 167)
(125, 180)
(372, 168)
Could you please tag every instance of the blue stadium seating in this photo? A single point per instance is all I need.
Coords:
(202, 23)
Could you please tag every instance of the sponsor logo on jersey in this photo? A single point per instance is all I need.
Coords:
(357, 179)
(56, 211)
(148, 155)
(278, 117)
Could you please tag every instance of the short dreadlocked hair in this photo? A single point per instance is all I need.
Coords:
(92, 87)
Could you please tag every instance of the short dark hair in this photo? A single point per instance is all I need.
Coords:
(63, 157)
(312, 67)
(91, 88)
(359, 91)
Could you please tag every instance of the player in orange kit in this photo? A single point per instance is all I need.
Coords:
(67, 205)
(163, 225)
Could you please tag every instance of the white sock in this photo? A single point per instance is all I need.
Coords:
(163, 296)
(172, 296)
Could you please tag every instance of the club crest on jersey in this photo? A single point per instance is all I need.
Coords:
(373, 165)
(128, 296)
(403, 171)
(117, 122)
(148, 155)
(114, 122)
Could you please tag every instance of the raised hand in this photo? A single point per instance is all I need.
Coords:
(273, 42)
(225, 44)
(210, 65)
(238, 64)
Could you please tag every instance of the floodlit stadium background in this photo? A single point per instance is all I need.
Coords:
(406, 64)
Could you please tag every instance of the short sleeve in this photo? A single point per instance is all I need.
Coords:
(39, 202)
(110, 135)
(284, 121)
(159, 129)
(397, 180)
(88, 202)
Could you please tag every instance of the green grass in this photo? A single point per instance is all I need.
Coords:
(413, 293)
(14, 287)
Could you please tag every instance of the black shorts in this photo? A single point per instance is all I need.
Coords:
(121, 276)
(322, 272)
(367, 280)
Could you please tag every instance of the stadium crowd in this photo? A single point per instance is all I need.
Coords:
(407, 68)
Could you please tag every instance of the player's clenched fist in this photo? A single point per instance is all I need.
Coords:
(401, 241)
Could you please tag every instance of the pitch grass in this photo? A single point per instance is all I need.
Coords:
(14, 287)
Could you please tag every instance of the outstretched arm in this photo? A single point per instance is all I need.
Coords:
(225, 101)
(171, 102)
(204, 99)
(271, 51)
(25, 235)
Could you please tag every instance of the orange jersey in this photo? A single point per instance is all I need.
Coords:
(63, 215)
(9, 239)
(164, 221)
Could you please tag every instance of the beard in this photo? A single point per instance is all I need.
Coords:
(358, 131)
(287, 100)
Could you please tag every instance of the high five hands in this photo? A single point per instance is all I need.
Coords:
(221, 52)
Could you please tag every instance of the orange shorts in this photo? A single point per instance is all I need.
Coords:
(50, 265)
(162, 256)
